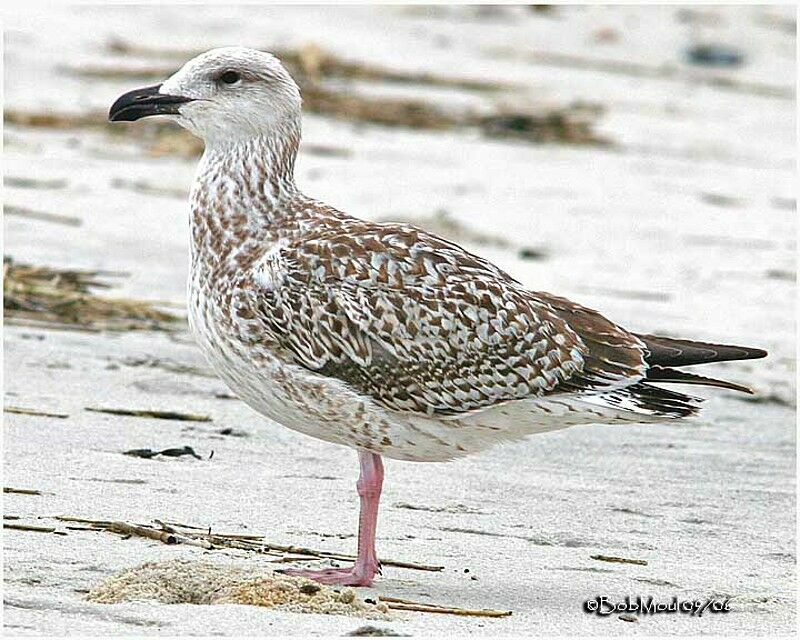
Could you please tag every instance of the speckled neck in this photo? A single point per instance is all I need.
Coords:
(244, 192)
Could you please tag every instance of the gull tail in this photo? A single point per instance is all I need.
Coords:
(665, 353)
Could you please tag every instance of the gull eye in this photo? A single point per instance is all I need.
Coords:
(230, 77)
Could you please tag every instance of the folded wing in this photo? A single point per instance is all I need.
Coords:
(421, 325)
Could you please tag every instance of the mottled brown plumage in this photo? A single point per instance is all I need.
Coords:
(419, 324)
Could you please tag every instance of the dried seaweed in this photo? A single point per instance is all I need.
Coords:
(252, 543)
(642, 70)
(314, 71)
(572, 124)
(370, 631)
(569, 124)
(159, 137)
(442, 223)
(34, 412)
(24, 182)
(63, 298)
(27, 527)
(618, 559)
(44, 216)
(142, 186)
(152, 413)
(164, 364)
(27, 492)
(401, 604)
(174, 452)
(306, 63)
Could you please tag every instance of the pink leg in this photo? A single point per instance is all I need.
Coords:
(363, 571)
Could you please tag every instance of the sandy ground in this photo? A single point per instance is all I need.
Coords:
(686, 225)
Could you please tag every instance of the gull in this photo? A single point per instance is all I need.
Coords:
(381, 337)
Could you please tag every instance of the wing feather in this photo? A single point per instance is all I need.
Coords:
(422, 325)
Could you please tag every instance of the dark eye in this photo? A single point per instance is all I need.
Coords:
(230, 77)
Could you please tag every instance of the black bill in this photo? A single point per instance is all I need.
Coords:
(147, 101)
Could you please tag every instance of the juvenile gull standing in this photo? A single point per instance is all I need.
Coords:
(381, 337)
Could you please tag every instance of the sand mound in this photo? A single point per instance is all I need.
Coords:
(192, 582)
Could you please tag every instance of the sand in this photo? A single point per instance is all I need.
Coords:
(206, 583)
(685, 223)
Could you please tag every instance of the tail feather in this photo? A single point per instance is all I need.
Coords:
(665, 400)
(672, 352)
(665, 374)
(647, 402)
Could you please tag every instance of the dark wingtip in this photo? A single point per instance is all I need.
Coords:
(755, 354)
(668, 375)
(680, 353)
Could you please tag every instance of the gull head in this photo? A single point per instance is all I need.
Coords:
(222, 96)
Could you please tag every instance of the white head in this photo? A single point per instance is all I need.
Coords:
(224, 95)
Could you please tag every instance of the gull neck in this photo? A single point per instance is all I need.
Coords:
(243, 193)
(261, 165)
